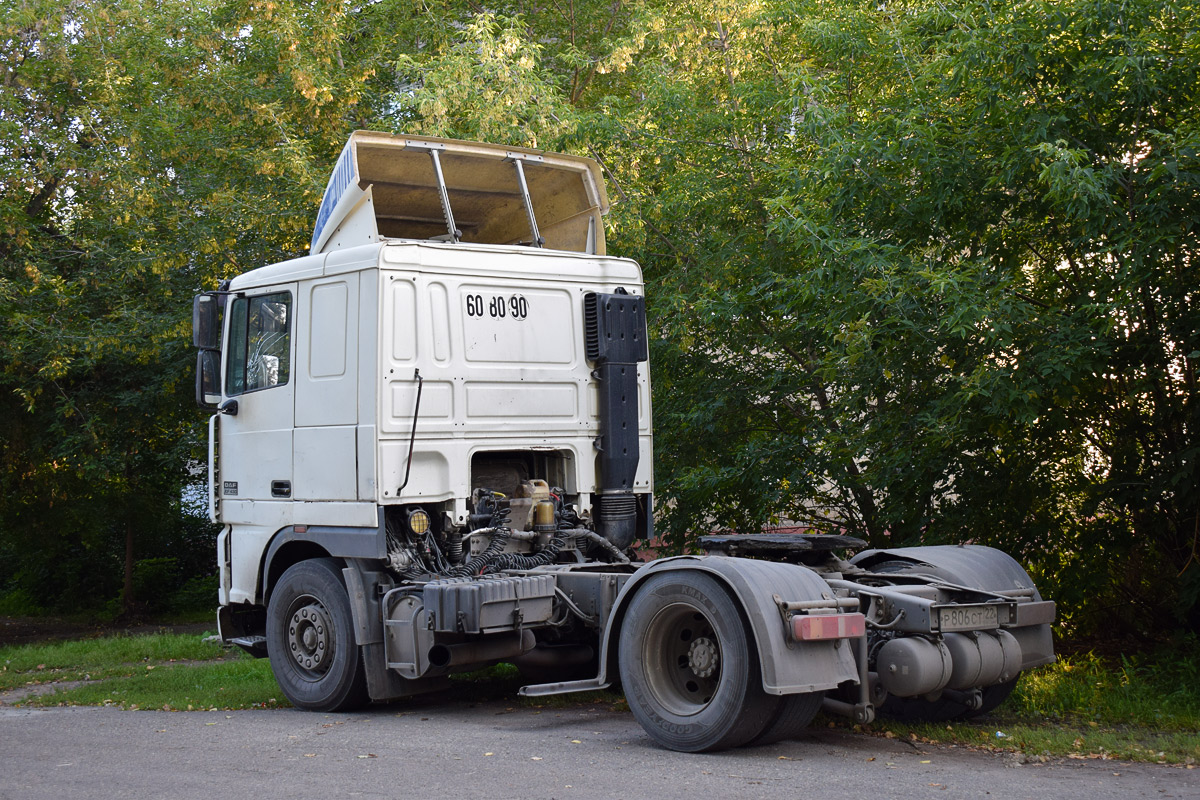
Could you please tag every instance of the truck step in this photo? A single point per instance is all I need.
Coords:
(254, 645)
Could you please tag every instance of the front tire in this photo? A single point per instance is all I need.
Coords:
(689, 665)
(310, 639)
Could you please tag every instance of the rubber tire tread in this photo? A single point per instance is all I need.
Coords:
(914, 709)
(792, 719)
(993, 696)
(740, 711)
(344, 686)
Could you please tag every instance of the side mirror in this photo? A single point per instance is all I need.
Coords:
(208, 378)
(206, 322)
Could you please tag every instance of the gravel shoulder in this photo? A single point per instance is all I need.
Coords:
(495, 750)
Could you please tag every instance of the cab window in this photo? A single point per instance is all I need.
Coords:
(259, 343)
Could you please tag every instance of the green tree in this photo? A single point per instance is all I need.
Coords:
(150, 150)
(926, 274)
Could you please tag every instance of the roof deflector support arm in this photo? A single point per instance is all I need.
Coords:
(518, 161)
(453, 234)
(452, 230)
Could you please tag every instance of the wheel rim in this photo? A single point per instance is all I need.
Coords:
(310, 636)
(682, 654)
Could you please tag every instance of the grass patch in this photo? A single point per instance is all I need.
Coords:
(1042, 740)
(1142, 708)
(110, 651)
(167, 670)
(1160, 690)
(240, 683)
(90, 659)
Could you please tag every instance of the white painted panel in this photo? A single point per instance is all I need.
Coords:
(403, 319)
(439, 313)
(429, 478)
(250, 462)
(356, 515)
(644, 479)
(325, 464)
(327, 340)
(247, 543)
(327, 349)
(437, 400)
(370, 343)
(517, 325)
(366, 462)
(522, 400)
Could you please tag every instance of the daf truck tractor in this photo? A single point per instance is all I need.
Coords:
(431, 451)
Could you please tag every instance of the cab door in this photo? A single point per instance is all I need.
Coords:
(257, 417)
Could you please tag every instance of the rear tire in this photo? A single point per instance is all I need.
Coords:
(993, 696)
(794, 715)
(689, 665)
(310, 639)
(914, 709)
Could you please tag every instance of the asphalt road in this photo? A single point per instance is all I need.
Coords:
(496, 750)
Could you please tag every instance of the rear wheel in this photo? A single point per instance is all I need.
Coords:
(993, 696)
(914, 709)
(310, 639)
(690, 667)
(795, 713)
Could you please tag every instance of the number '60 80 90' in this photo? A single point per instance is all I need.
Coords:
(498, 306)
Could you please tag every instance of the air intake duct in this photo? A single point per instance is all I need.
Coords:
(616, 518)
(615, 337)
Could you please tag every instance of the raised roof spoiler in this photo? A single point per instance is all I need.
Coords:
(401, 187)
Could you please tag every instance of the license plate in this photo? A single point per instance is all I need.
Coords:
(968, 618)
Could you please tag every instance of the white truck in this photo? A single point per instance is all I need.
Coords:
(431, 451)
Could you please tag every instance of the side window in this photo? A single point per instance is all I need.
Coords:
(259, 343)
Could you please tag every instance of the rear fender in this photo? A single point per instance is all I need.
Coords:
(971, 565)
(986, 568)
(788, 667)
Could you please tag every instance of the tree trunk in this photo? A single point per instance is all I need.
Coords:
(127, 598)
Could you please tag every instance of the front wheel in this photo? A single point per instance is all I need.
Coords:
(310, 639)
(689, 665)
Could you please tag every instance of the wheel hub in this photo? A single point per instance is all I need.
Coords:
(703, 657)
(309, 637)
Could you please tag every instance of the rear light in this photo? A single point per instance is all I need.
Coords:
(828, 626)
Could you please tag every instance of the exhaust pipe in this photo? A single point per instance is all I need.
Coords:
(496, 647)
